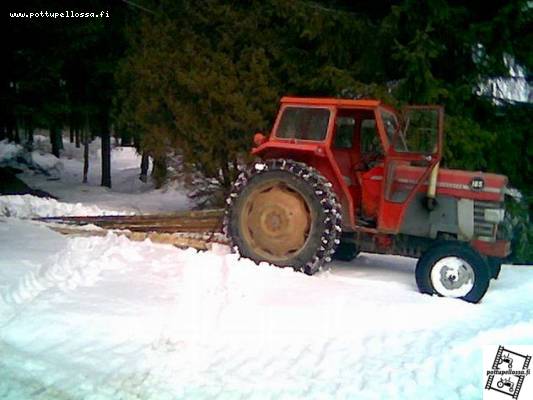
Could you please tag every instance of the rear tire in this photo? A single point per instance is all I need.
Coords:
(453, 270)
(284, 212)
(346, 251)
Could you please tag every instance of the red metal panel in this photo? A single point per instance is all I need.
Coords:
(391, 213)
(344, 192)
(331, 102)
(456, 183)
(500, 248)
(288, 146)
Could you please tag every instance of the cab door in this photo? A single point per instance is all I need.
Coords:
(414, 150)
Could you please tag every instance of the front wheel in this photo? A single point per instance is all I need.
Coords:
(453, 270)
(495, 265)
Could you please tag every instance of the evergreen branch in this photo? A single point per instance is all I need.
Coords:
(319, 7)
(131, 3)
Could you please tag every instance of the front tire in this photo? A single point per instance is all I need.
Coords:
(284, 212)
(453, 270)
(495, 265)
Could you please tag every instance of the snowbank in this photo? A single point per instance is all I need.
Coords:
(46, 163)
(28, 206)
(8, 151)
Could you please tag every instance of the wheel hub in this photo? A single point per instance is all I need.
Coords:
(276, 221)
(452, 277)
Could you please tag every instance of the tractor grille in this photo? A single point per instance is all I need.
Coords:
(485, 230)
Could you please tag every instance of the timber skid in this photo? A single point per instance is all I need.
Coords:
(197, 229)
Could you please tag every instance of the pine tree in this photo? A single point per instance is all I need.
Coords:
(204, 97)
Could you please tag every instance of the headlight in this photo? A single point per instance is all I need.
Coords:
(495, 215)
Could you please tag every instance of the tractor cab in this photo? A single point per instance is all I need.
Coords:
(371, 155)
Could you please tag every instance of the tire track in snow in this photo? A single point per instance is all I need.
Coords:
(410, 362)
(79, 264)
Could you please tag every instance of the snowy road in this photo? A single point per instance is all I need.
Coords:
(106, 318)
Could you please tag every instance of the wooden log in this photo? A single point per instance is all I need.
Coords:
(176, 239)
(189, 221)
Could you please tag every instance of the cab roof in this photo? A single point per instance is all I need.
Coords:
(331, 102)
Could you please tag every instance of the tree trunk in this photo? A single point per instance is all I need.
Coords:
(17, 133)
(77, 134)
(106, 151)
(60, 138)
(71, 130)
(106, 160)
(159, 171)
(144, 167)
(29, 137)
(55, 139)
(85, 134)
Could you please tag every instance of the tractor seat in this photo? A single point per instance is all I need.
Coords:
(370, 182)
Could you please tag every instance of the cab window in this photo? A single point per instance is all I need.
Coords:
(390, 123)
(344, 130)
(303, 123)
(370, 142)
(420, 133)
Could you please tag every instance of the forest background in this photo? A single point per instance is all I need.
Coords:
(196, 79)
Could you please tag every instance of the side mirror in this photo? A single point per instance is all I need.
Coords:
(259, 139)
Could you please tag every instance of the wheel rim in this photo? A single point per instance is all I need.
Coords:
(275, 221)
(452, 277)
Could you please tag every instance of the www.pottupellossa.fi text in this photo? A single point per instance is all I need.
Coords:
(60, 14)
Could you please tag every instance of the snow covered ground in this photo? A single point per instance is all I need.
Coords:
(107, 318)
(64, 176)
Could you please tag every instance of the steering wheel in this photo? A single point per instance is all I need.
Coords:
(368, 160)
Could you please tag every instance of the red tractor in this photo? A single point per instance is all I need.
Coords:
(344, 176)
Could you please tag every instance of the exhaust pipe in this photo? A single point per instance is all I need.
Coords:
(431, 200)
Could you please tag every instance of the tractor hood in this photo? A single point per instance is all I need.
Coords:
(459, 184)
(471, 185)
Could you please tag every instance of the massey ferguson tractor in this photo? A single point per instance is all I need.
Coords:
(344, 176)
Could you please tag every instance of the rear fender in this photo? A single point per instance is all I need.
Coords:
(319, 157)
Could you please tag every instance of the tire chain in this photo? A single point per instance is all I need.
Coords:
(322, 189)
